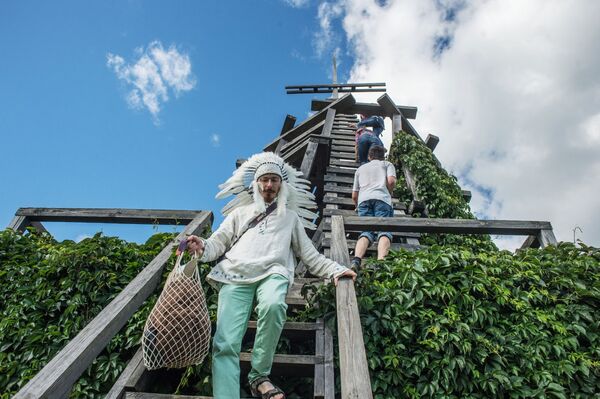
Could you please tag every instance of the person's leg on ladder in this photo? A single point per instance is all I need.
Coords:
(233, 312)
(383, 209)
(271, 311)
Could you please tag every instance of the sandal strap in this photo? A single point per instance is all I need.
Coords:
(254, 385)
(272, 392)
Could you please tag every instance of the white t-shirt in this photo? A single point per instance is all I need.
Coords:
(370, 180)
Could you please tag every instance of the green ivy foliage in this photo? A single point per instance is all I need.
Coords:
(438, 189)
(50, 290)
(450, 322)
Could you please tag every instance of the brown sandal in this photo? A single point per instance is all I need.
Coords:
(267, 395)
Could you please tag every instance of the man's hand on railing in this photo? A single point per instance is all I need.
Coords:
(347, 273)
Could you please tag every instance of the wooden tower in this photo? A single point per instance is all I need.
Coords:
(322, 147)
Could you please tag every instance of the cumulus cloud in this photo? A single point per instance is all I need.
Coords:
(154, 73)
(215, 140)
(510, 87)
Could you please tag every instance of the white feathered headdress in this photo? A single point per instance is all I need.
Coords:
(294, 193)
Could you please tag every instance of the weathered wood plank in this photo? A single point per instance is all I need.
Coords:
(329, 120)
(354, 370)
(343, 155)
(287, 365)
(302, 138)
(367, 108)
(343, 162)
(339, 104)
(417, 205)
(328, 199)
(147, 395)
(531, 242)
(343, 148)
(546, 237)
(330, 178)
(450, 226)
(288, 123)
(308, 162)
(57, 377)
(431, 141)
(329, 366)
(319, 375)
(373, 247)
(19, 223)
(340, 170)
(110, 215)
(466, 194)
(128, 378)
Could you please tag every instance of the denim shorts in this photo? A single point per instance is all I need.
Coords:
(374, 207)
(364, 143)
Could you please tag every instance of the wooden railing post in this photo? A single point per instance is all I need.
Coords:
(354, 369)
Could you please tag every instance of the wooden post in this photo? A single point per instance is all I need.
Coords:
(546, 237)
(57, 377)
(19, 223)
(431, 141)
(354, 369)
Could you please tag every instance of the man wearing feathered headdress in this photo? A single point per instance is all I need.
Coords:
(256, 246)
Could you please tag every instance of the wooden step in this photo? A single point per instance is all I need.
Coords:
(332, 178)
(295, 331)
(343, 162)
(147, 395)
(373, 247)
(339, 170)
(349, 203)
(342, 155)
(286, 365)
(343, 148)
(352, 212)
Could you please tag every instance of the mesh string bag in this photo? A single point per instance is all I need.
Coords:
(177, 332)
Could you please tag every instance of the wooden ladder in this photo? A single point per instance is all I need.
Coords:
(136, 381)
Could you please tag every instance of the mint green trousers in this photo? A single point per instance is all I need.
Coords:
(233, 313)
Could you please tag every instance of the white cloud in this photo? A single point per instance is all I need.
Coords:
(152, 75)
(510, 87)
(215, 140)
(325, 39)
(297, 3)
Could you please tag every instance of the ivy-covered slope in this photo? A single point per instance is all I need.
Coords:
(459, 318)
(50, 290)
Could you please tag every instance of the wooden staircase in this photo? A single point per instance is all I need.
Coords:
(322, 147)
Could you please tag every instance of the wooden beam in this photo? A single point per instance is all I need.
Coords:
(367, 109)
(302, 138)
(308, 162)
(19, 223)
(531, 242)
(340, 104)
(354, 369)
(449, 226)
(431, 141)
(59, 374)
(466, 194)
(417, 205)
(288, 123)
(239, 162)
(546, 237)
(110, 215)
(336, 88)
(329, 119)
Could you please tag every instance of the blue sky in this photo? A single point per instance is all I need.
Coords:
(69, 138)
(148, 104)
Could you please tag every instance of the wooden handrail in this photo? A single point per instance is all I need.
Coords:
(354, 369)
(57, 377)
